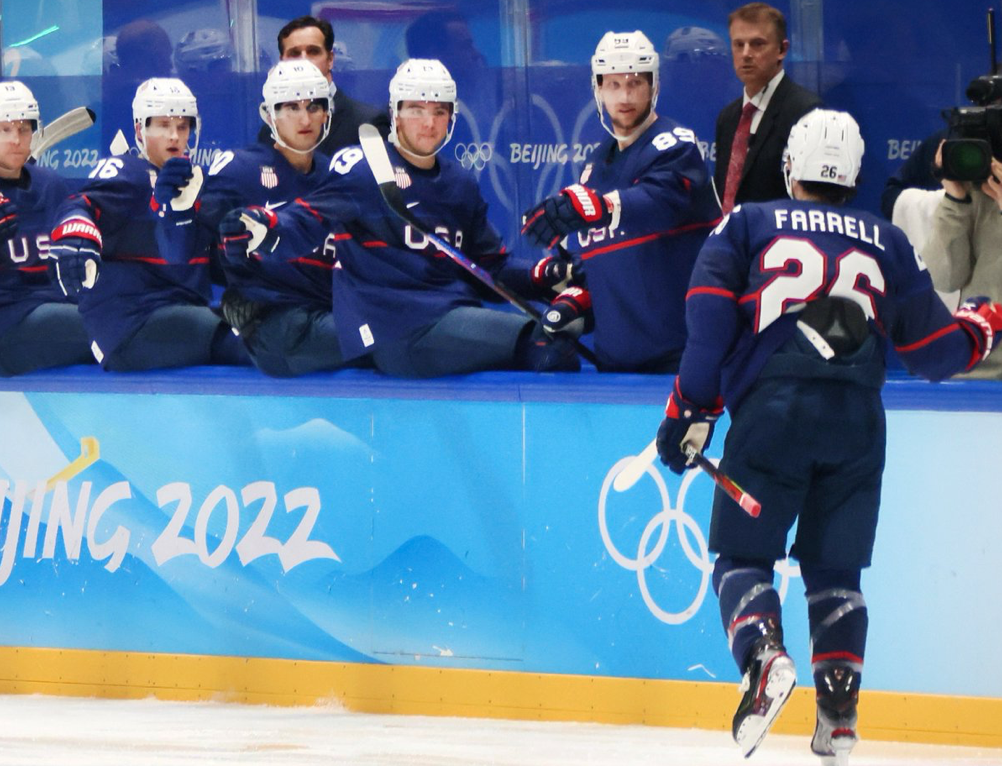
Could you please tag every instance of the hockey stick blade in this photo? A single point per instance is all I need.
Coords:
(379, 164)
(63, 127)
(748, 504)
(635, 468)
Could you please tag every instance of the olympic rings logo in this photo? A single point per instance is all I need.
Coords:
(659, 528)
(474, 155)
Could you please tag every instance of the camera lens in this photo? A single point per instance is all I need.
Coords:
(966, 159)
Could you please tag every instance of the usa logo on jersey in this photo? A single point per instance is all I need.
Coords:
(269, 179)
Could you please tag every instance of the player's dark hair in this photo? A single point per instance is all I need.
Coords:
(833, 194)
(756, 12)
(305, 22)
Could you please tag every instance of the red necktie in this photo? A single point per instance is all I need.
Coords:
(739, 150)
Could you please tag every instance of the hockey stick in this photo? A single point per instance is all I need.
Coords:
(638, 466)
(748, 504)
(635, 468)
(379, 163)
(63, 127)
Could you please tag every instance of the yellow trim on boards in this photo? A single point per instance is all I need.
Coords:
(414, 690)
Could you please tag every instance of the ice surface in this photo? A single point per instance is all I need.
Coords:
(61, 731)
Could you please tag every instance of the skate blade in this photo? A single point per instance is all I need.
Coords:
(782, 679)
(841, 746)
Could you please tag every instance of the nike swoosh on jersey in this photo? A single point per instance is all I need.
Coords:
(412, 204)
(273, 205)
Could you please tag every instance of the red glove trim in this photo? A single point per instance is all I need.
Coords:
(587, 203)
(677, 401)
(77, 227)
(271, 220)
(577, 297)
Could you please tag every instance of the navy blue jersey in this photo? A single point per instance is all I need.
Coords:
(389, 279)
(638, 267)
(765, 260)
(134, 280)
(25, 283)
(260, 175)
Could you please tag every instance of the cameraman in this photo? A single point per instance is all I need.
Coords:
(964, 249)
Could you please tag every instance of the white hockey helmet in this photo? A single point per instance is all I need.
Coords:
(18, 103)
(624, 53)
(422, 80)
(295, 80)
(163, 97)
(824, 146)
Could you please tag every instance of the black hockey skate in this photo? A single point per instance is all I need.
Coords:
(767, 684)
(834, 738)
(835, 732)
(241, 314)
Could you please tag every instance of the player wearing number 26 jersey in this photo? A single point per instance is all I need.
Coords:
(789, 309)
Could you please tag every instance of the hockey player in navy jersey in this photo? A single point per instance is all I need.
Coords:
(789, 308)
(39, 326)
(140, 311)
(280, 307)
(394, 295)
(636, 219)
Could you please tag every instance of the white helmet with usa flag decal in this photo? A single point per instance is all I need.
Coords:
(624, 53)
(824, 146)
(292, 81)
(422, 80)
(163, 97)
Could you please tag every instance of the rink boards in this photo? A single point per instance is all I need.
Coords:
(455, 547)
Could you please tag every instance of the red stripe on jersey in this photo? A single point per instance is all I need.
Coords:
(309, 209)
(837, 656)
(199, 260)
(140, 258)
(528, 223)
(312, 262)
(711, 291)
(649, 237)
(928, 339)
(374, 243)
(33, 268)
(91, 205)
(342, 237)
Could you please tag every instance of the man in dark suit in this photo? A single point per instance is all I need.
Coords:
(759, 131)
(313, 39)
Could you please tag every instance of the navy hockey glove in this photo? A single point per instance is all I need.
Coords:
(557, 274)
(8, 218)
(685, 424)
(982, 319)
(570, 312)
(576, 207)
(76, 246)
(247, 230)
(172, 178)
